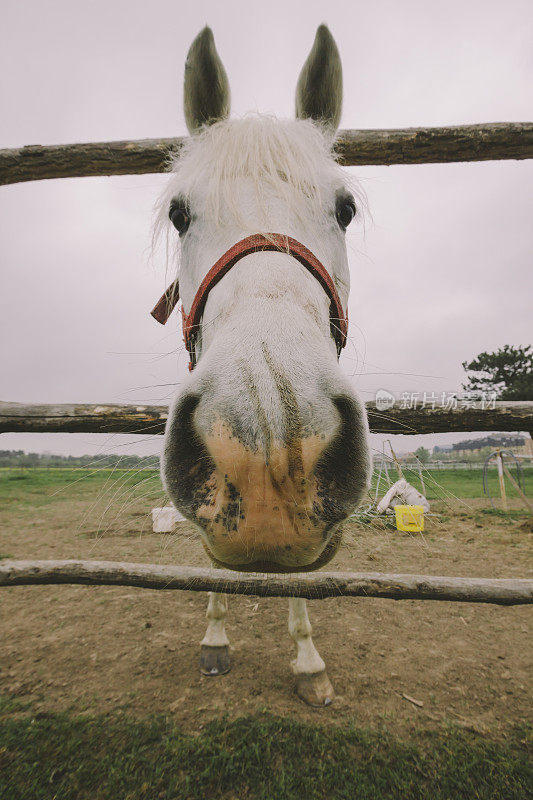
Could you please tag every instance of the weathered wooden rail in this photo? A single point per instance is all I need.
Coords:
(486, 142)
(144, 419)
(314, 586)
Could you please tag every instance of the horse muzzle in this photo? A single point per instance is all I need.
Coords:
(271, 500)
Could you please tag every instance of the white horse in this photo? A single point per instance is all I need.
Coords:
(266, 446)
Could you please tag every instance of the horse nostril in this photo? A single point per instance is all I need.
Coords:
(343, 468)
(186, 461)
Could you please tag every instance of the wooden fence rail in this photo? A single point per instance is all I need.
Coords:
(314, 586)
(22, 418)
(486, 142)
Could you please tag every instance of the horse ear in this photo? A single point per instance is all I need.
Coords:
(319, 88)
(206, 95)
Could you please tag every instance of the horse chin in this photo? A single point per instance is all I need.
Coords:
(279, 563)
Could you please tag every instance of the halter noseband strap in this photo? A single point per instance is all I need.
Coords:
(252, 244)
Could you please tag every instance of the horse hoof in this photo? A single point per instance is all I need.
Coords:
(214, 660)
(315, 689)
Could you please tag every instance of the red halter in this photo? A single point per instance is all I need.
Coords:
(252, 244)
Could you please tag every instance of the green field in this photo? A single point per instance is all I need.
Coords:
(464, 483)
(42, 486)
(264, 758)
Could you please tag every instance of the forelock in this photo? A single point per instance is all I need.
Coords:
(291, 160)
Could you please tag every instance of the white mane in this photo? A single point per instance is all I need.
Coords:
(291, 160)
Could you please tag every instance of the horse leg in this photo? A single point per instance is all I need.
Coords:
(312, 682)
(214, 647)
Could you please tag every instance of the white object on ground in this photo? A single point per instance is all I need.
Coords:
(402, 493)
(164, 519)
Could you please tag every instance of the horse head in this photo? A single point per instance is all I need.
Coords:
(266, 445)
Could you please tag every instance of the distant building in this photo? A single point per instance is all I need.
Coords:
(519, 445)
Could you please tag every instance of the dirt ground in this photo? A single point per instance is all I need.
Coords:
(104, 649)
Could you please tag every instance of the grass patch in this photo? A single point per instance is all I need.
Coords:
(511, 515)
(40, 487)
(464, 483)
(260, 758)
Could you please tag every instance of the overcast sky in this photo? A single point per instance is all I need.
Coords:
(443, 272)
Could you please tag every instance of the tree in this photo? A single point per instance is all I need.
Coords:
(422, 454)
(508, 372)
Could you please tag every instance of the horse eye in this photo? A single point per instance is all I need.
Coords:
(180, 218)
(346, 212)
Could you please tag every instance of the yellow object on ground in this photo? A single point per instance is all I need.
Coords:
(409, 518)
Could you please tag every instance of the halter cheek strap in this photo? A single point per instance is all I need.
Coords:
(252, 244)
